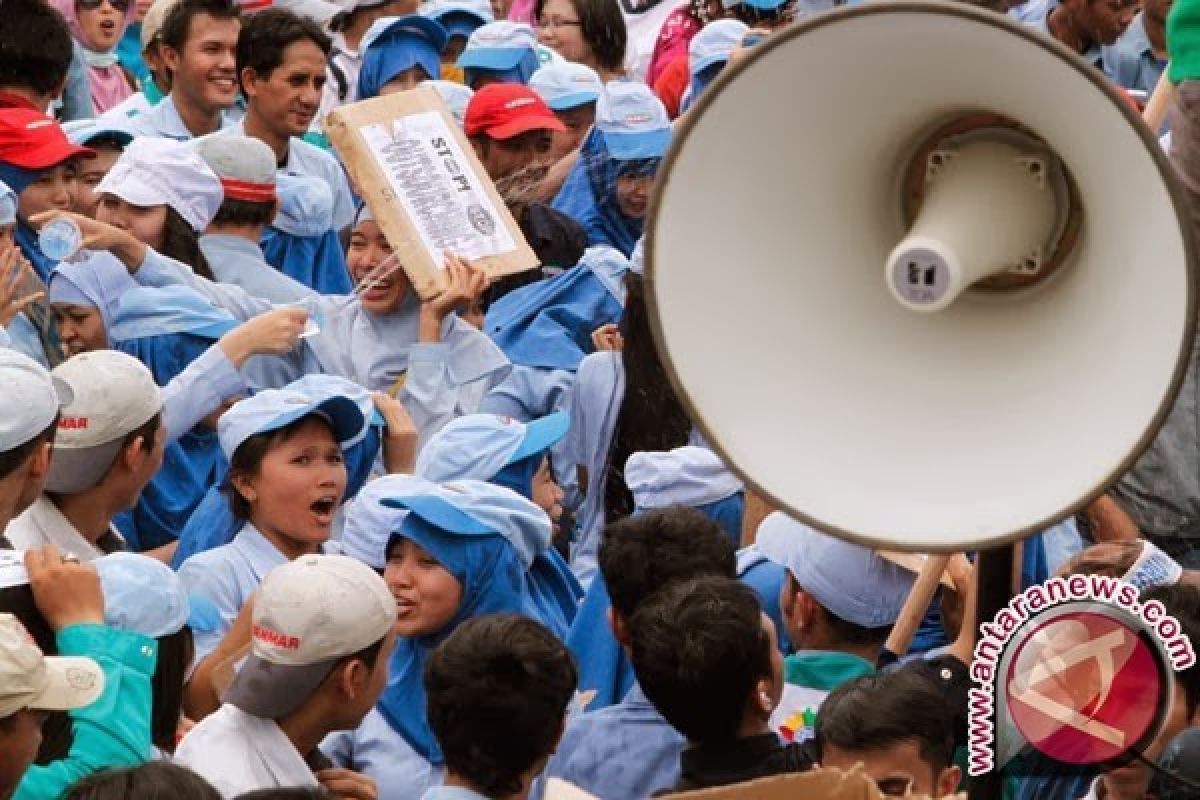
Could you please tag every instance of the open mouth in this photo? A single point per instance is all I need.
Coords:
(108, 26)
(379, 290)
(323, 509)
(226, 85)
(404, 607)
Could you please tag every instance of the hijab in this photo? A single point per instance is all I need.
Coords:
(98, 280)
(301, 242)
(107, 79)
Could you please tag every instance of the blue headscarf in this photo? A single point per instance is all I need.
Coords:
(396, 44)
(589, 194)
(549, 324)
(301, 242)
(98, 280)
(19, 179)
(492, 577)
(213, 523)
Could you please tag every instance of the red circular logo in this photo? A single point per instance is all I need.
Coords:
(1085, 688)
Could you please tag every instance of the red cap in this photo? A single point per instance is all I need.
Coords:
(505, 110)
(31, 140)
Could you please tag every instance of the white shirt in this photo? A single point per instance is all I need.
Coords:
(238, 753)
(42, 524)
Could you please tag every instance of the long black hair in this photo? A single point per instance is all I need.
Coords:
(182, 243)
(651, 416)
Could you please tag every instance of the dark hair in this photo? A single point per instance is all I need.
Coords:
(497, 691)
(266, 34)
(175, 653)
(763, 18)
(177, 25)
(888, 708)
(154, 780)
(182, 243)
(17, 456)
(146, 432)
(286, 793)
(247, 460)
(35, 47)
(699, 650)
(106, 141)
(602, 26)
(244, 212)
(640, 555)
(651, 417)
(1182, 602)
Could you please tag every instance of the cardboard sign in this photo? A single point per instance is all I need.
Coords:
(418, 174)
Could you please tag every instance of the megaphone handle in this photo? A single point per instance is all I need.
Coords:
(1159, 103)
(993, 573)
(916, 605)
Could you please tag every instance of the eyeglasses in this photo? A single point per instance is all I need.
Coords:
(92, 5)
(550, 23)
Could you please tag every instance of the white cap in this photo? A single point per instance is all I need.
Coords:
(153, 21)
(566, 85)
(714, 43)
(272, 409)
(30, 399)
(308, 614)
(29, 679)
(244, 165)
(113, 394)
(156, 172)
(455, 96)
(691, 476)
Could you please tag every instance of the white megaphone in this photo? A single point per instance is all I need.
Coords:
(921, 277)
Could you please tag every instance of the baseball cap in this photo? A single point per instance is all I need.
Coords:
(8, 205)
(849, 580)
(245, 166)
(154, 311)
(309, 614)
(30, 400)
(690, 476)
(350, 6)
(479, 446)
(633, 120)
(31, 140)
(29, 679)
(113, 394)
(305, 205)
(153, 21)
(143, 595)
(156, 172)
(565, 85)
(369, 524)
(505, 110)
(499, 45)
(460, 18)
(478, 508)
(84, 131)
(714, 43)
(320, 387)
(273, 409)
(456, 97)
(760, 5)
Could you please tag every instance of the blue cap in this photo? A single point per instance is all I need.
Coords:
(8, 205)
(479, 446)
(461, 17)
(84, 131)
(410, 25)
(369, 524)
(477, 508)
(689, 476)
(273, 409)
(633, 120)
(714, 43)
(321, 387)
(305, 205)
(143, 595)
(456, 97)
(849, 580)
(565, 85)
(498, 46)
(760, 5)
(393, 45)
(144, 311)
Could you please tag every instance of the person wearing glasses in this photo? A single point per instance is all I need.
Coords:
(97, 26)
(590, 32)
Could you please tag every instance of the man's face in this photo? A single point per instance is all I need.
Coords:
(505, 157)
(895, 769)
(205, 71)
(1105, 20)
(20, 738)
(287, 98)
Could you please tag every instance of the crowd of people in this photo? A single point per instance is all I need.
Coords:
(273, 526)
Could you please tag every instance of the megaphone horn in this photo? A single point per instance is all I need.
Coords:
(921, 276)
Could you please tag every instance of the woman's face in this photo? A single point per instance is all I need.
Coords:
(633, 194)
(91, 172)
(427, 595)
(367, 250)
(146, 223)
(80, 327)
(102, 23)
(297, 488)
(410, 78)
(547, 495)
(560, 29)
(578, 121)
(54, 191)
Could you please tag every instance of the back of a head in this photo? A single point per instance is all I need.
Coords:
(878, 711)
(699, 651)
(497, 691)
(642, 554)
(35, 47)
(154, 780)
(287, 793)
